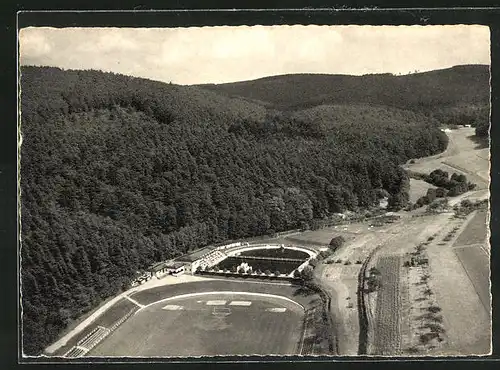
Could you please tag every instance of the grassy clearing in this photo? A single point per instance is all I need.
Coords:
(470, 163)
(477, 265)
(387, 326)
(476, 230)
(320, 237)
(467, 324)
(418, 188)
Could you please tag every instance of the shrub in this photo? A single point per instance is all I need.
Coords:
(434, 309)
(307, 274)
(413, 350)
(425, 277)
(373, 283)
(338, 261)
(430, 238)
(324, 254)
(359, 262)
(420, 248)
(337, 242)
(435, 328)
(427, 337)
(347, 262)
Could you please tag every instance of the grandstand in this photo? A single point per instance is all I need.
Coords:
(203, 258)
(88, 342)
(96, 336)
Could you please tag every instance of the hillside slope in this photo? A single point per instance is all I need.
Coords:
(119, 172)
(459, 95)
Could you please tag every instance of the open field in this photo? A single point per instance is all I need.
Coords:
(462, 156)
(220, 324)
(323, 237)
(387, 327)
(476, 230)
(467, 323)
(341, 283)
(476, 263)
(418, 188)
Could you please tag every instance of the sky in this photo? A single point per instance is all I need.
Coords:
(197, 55)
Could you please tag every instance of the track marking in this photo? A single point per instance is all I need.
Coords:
(190, 295)
(276, 309)
(216, 303)
(240, 303)
(172, 307)
(135, 302)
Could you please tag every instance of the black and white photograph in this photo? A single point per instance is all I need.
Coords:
(286, 190)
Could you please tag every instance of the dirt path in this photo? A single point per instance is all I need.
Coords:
(342, 286)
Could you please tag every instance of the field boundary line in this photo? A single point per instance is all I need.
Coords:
(473, 245)
(134, 301)
(189, 295)
(364, 324)
(303, 336)
(488, 309)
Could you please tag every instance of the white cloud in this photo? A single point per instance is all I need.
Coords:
(33, 44)
(223, 54)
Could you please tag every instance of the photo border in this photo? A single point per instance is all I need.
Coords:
(183, 18)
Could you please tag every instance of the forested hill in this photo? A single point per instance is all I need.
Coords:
(119, 172)
(458, 95)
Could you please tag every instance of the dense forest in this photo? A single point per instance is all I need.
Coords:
(120, 172)
(457, 95)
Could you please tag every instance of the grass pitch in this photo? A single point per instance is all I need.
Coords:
(266, 326)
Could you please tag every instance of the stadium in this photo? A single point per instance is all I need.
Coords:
(253, 260)
(212, 315)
